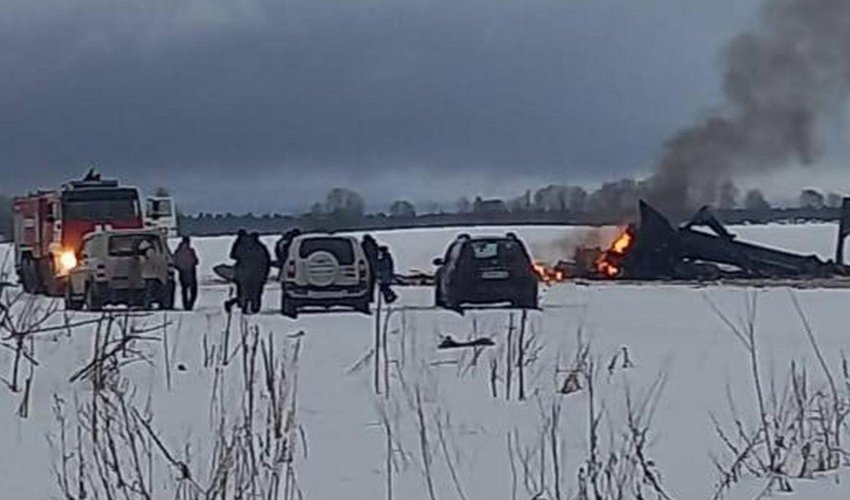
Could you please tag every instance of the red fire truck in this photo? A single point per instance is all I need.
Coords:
(49, 226)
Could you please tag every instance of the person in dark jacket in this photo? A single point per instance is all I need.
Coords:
(238, 246)
(238, 252)
(386, 274)
(281, 248)
(186, 262)
(258, 263)
(370, 249)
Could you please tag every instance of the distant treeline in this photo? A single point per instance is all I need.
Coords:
(613, 203)
(217, 224)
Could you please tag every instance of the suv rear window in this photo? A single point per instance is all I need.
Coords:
(485, 249)
(127, 245)
(505, 250)
(341, 248)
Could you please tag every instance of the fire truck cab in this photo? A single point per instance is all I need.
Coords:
(161, 214)
(50, 225)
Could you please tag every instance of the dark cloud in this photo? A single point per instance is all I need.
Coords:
(257, 104)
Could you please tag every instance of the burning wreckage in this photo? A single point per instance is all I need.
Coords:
(701, 250)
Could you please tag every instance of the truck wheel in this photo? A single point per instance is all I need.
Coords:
(528, 300)
(450, 301)
(29, 276)
(151, 294)
(45, 278)
(362, 305)
(94, 298)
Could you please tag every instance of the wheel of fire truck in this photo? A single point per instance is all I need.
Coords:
(94, 297)
(48, 283)
(29, 275)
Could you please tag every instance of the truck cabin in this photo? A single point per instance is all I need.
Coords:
(160, 213)
(84, 209)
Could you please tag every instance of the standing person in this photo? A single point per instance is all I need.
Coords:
(258, 263)
(386, 274)
(370, 248)
(281, 248)
(238, 252)
(186, 262)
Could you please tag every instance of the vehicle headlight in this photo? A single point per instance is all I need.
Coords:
(68, 260)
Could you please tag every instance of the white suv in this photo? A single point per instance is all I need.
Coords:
(324, 270)
(130, 266)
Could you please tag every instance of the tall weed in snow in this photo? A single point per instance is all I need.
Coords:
(25, 318)
(109, 446)
(615, 464)
(801, 424)
(424, 436)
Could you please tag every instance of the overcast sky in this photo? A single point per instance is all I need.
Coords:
(263, 105)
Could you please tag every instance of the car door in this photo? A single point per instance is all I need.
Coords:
(453, 264)
(441, 273)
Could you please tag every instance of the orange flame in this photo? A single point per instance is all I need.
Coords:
(608, 269)
(608, 263)
(622, 244)
(547, 274)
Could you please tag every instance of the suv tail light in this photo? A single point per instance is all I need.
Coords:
(361, 270)
(290, 269)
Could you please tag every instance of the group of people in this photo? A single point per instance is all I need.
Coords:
(250, 271)
(252, 263)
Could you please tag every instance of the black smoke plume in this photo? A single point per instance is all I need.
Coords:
(780, 79)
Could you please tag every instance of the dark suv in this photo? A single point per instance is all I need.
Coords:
(488, 270)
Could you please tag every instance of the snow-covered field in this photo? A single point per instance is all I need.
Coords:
(476, 446)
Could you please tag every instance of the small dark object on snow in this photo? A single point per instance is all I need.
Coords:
(181, 367)
(450, 343)
(572, 383)
(627, 363)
